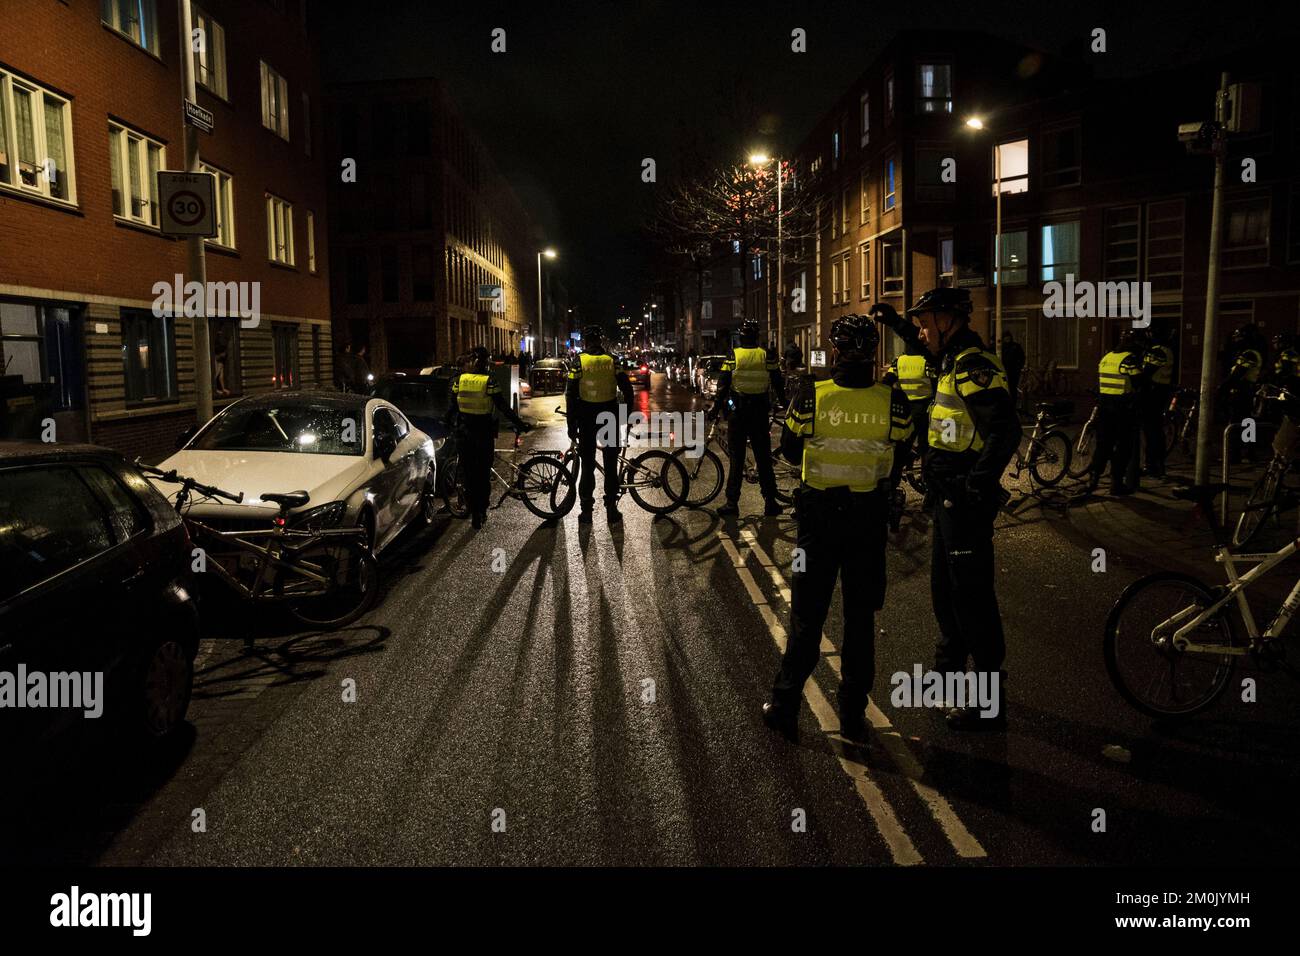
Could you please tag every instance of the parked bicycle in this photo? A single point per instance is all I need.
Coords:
(1172, 642)
(657, 480)
(1180, 422)
(545, 486)
(1046, 450)
(1271, 495)
(324, 577)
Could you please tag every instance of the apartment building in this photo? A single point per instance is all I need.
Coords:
(90, 110)
(1094, 184)
(426, 231)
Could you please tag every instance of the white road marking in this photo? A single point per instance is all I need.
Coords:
(901, 848)
(961, 839)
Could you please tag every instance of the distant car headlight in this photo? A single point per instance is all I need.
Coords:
(318, 519)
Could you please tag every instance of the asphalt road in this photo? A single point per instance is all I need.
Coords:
(529, 694)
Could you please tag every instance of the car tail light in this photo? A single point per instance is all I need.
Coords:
(644, 369)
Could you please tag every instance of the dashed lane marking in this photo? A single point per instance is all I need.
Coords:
(962, 840)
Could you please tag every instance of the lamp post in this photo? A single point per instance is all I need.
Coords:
(541, 340)
(761, 159)
(977, 123)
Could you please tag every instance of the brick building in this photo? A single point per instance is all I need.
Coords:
(89, 110)
(426, 223)
(1095, 184)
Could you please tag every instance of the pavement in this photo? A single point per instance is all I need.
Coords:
(555, 694)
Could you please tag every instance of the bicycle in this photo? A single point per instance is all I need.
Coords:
(657, 481)
(535, 482)
(1180, 421)
(1271, 495)
(1180, 633)
(1047, 451)
(325, 577)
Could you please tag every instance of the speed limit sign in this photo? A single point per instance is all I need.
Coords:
(186, 204)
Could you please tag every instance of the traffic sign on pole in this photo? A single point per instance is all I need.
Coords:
(187, 205)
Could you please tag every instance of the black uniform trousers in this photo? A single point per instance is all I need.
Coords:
(476, 445)
(962, 588)
(842, 535)
(1117, 432)
(597, 419)
(752, 422)
(1154, 403)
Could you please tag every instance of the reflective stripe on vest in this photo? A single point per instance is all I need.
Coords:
(850, 443)
(750, 375)
(1164, 373)
(913, 378)
(471, 394)
(1110, 379)
(1253, 360)
(597, 381)
(952, 427)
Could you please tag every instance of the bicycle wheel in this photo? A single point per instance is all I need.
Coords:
(788, 481)
(657, 481)
(354, 574)
(1169, 425)
(1051, 460)
(451, 486)
(1143, 664)
(706, 476)
(1259, 504)
(1085, 447)
(546, 487)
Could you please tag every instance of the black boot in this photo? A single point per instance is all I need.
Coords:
(772, 508)
(783, 719)
(584, 516)
(730, 510)
(970, 718)
(852, 723)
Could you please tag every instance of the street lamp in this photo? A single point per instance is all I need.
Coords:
(550, 254)
(762, 159)
(977, 123)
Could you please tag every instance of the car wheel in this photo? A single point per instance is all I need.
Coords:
(366, 521)
(163, 685)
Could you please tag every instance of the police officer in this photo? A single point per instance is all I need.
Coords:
(747, 377)
(1286, 367)
(915, 373)
(844, 430)
(477, 396)
(1158, 370)
(592, 398)
(1247, 363)
(973, 432)
(1119, 377)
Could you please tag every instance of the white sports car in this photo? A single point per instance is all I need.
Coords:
(359, 458)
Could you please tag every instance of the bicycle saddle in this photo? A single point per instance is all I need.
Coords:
(289, 499)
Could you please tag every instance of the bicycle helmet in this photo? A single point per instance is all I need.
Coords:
(478, 357)
(855, 333)
(944, 299)
(749, 331)
(594, 334)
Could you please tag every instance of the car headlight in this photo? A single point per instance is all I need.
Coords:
(318, 519)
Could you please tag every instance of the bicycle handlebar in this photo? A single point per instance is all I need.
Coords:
(189, 483)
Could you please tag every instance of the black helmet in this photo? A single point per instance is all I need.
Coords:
(479, 356)
(855, 333)
(596, 332)
(956, 301)
(749, 330)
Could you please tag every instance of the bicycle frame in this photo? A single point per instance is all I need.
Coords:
(270, 559)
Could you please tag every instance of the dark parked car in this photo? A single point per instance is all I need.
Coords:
(93, 580)
(548, 376)
(638, 372)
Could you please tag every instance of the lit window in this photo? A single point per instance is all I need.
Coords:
(1060, 251)
(864, 199)
(134, 161)
(891, 256)
(311, 242)
(275, 101)
(137, 20)
(1014, 248)
(934, 88)
(864, 265)
(1011, 160)
(224, 190)
(945, 263)
(1245, 238)
(889, 184)
(35, 140)
(279, 230)
(865, 113)
(210, 57)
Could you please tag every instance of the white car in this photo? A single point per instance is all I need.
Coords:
(359, 458)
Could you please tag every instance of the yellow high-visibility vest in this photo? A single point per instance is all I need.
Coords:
(1250, 360)
(1112, 376)
(749, 370)
(1161, 358)
(595, 374)
(913, 378)
(850, 440)
(952, 426)
(471, 393)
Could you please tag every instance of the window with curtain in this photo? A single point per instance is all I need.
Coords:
(148, 356)
(1014, 253)
(136, 20)
(134, 161)
(891, 263)
(945, 262)
(889, 183)
(934, 88)
(1060, 253)
(1011, 161)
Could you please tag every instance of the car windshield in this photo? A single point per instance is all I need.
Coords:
(305, 428)
(417, 399)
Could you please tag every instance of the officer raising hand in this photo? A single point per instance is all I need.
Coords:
(844, 431)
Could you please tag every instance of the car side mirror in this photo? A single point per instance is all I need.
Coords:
(183, 438)
(385, 445)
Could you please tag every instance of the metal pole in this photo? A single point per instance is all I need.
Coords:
(1203, 425)
(780, 264)
(541, 340)
(198, 267)
(997, 251)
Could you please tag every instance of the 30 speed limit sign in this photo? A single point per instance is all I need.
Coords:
(187, 204)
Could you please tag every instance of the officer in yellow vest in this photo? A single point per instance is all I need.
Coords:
(913, 370)
(595, 383)
(1119, 383)
(845, 431)
(1158, 370)
(748, 378)
(973, 432)
(477, 401)
(1246, 353)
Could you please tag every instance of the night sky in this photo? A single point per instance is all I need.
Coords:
(586, 90)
